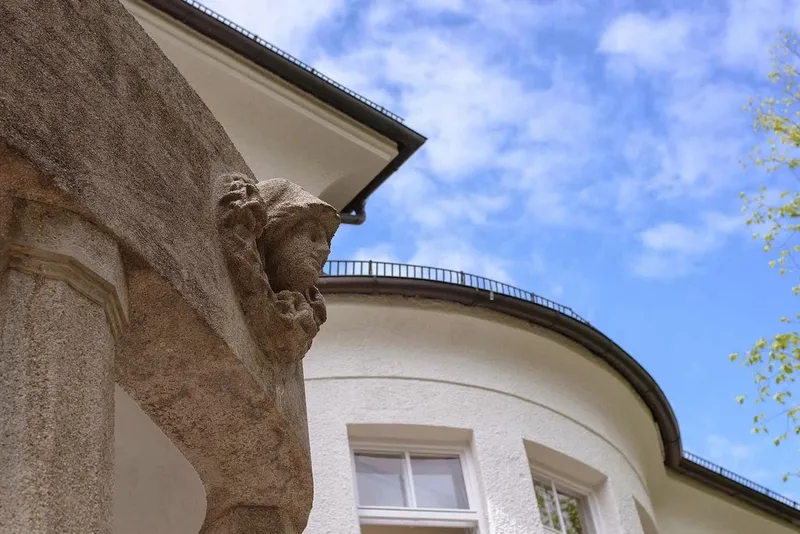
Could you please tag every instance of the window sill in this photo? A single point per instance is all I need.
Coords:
(418, 517)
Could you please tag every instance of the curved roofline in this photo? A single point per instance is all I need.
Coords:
(581, 332)
(255, 49)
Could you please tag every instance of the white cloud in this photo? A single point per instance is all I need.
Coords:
(383, 253)
(698, 132)
(455, 96)
(564, 113)
(549, 278)
(656, 265)
(696, 152)
(736, 456)
(750, 24)
(433, 206)
(519, 117)
(722, 450)
(652, 43)
(675, 237)
(444, 87)
(458, 6)
(520, 130)
(708, 133)
(495, 137)
(548, 180)
(450, 253)
(520, 18)
(734, 34)
(289, 24)
(474, 208)
(670, 249)
(459, 255)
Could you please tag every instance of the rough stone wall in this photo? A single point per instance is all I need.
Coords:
(110, 122)
(95, 120)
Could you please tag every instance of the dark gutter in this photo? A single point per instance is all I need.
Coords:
(255, 49)
(594, 341)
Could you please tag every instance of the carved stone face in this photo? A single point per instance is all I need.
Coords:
(294, 262)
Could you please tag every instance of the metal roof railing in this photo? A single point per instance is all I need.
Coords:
(436, 274)
(741, 480)
(266, 44)
(366, 268)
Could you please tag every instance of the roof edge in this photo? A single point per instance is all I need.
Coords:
(256, 50)
(591, 339)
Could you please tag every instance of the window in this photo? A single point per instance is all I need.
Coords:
(562, 510)
(414, 486)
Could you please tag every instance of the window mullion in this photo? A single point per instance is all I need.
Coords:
(558, 508)
(410, 493)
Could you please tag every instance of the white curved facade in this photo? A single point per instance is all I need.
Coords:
(404, 373)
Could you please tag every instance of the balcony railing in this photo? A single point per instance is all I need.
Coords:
(435, 274)
(266, 44)
(741, 480)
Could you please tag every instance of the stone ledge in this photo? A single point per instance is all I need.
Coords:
(30, 260)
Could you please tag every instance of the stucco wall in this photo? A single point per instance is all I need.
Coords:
(521, 392)
(156, 490)
(685, 506)
(389, 360)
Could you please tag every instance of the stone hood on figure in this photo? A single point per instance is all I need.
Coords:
(295, 241)
(276, 238)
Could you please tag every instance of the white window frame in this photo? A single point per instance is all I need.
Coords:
(420, 517)
(591, 514)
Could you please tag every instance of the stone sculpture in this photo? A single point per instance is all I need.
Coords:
(140, 256)
(276, 238)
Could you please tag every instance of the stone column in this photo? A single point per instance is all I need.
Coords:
(62, 304)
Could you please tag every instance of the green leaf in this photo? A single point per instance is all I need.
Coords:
(773, 211)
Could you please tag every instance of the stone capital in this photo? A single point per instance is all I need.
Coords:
(57, 244)
(62, 309)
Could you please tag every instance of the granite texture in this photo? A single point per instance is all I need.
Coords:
(56, 396)
(62, 285)
(96, 121)
(250, 519)
(276, 238)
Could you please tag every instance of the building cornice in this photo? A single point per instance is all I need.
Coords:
(252, 48)
(582, 333)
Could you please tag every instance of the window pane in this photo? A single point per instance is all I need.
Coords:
(547, 505)
(571, 512)
(380, 479)
(439, 482)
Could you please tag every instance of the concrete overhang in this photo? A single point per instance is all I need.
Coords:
(285, 119)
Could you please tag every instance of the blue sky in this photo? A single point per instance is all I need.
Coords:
(586, 150)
